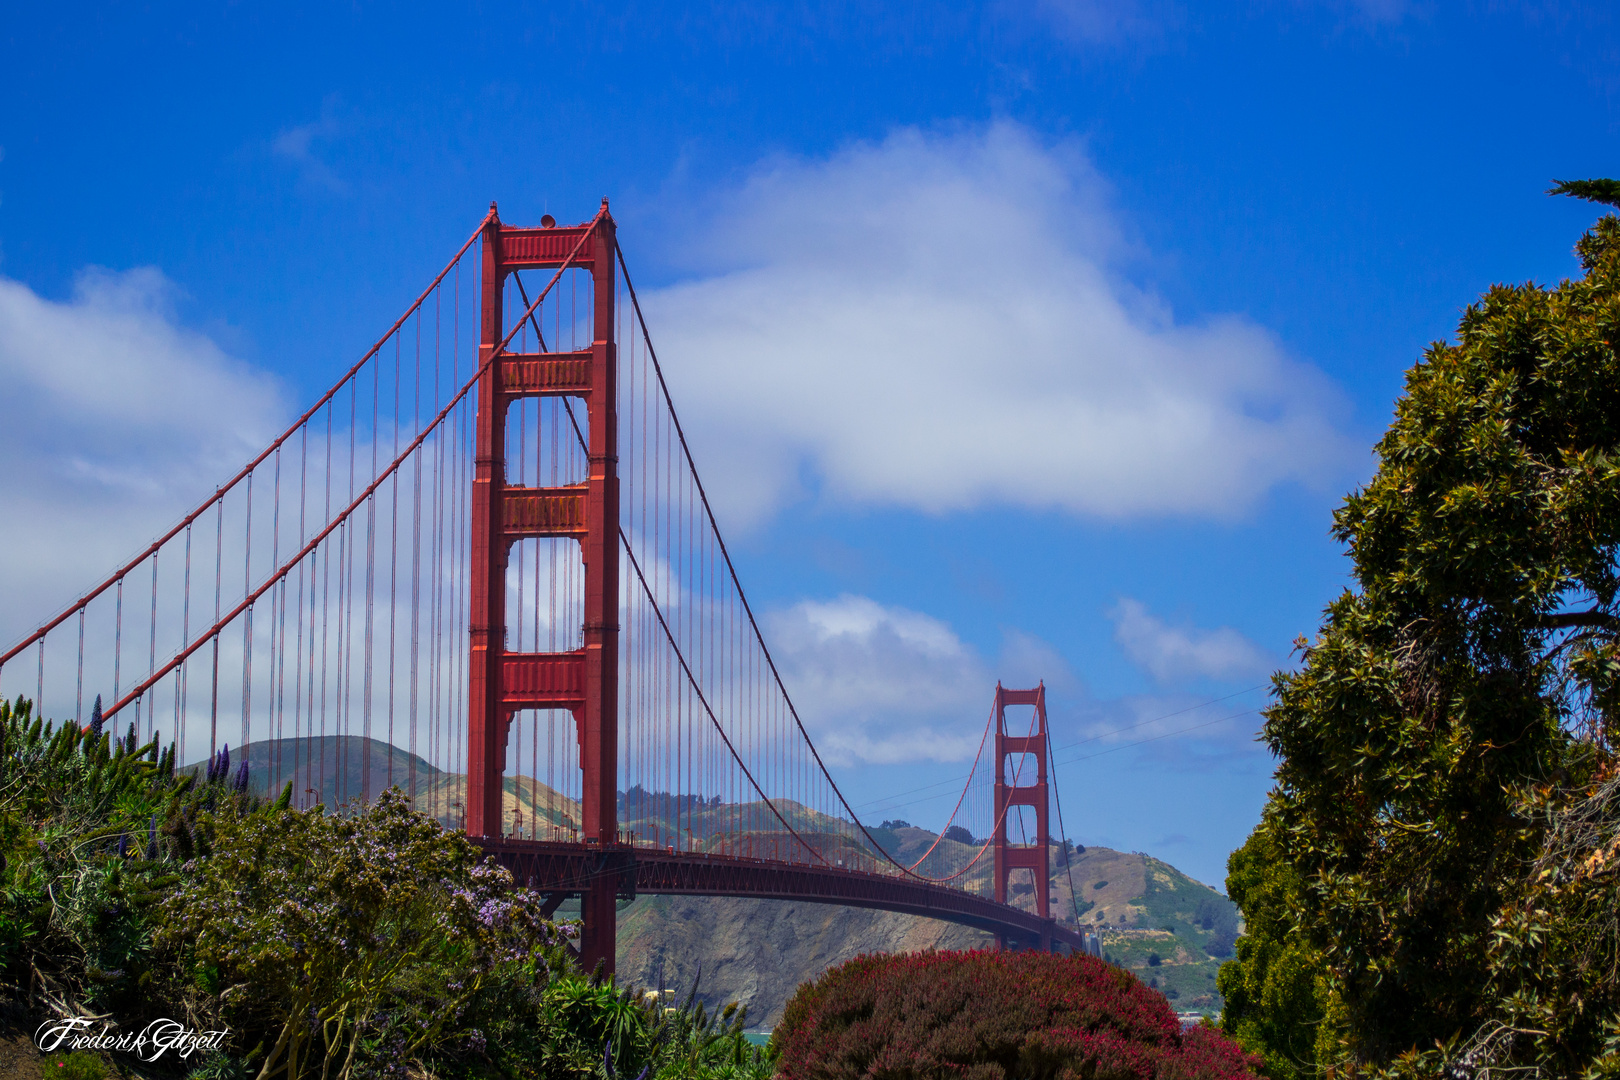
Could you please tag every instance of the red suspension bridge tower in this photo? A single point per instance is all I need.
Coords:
(585, 681)
(362, 618)
(1034, 857)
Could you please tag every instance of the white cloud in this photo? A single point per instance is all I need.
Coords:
(883, 684)
(1163, 726)
(938, 322)
(1027, 660)
(1107, 22)
(120, 420)
(879, 684)
(298, 146)
(1173, 654)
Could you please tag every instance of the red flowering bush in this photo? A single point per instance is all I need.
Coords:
(993, 1016)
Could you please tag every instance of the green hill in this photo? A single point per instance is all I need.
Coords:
(1169, 929)
(328, 769)
(759, 951)
(333, 769)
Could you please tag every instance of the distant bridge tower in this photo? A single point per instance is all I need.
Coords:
(585, 681)
(1036, 856)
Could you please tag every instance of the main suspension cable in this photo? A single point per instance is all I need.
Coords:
(731, 569)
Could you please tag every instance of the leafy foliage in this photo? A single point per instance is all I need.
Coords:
(366, 943)
(75, 892)
(1272, 989)
(75, 1066)
(1444, 801)
(988, 1016)
(1603, 191)
(326, 928)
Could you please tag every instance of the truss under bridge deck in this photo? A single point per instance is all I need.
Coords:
(562, 870)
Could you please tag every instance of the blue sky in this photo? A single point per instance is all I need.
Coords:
(1079, 317)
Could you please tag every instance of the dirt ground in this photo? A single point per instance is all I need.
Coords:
(19, 1058)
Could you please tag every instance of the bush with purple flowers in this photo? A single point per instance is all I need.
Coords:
(330, 930)
(364, 942)
(75, 892)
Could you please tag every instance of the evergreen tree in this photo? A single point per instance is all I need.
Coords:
(1443, 818)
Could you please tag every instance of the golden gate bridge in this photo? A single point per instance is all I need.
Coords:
(488, 545)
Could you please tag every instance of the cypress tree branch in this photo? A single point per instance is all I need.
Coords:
(1600, 620)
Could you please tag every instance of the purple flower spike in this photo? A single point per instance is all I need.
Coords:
(219, 768)
(241, 784)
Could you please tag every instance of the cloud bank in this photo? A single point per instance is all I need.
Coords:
(121, 420)
(882, 685)
(1179, 654)
(939, 322)
(885, 685)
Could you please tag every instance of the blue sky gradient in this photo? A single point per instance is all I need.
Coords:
(1254, 214)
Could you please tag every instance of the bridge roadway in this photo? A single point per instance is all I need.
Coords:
(563, 869)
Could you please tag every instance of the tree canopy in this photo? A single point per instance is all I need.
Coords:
(1447, 746)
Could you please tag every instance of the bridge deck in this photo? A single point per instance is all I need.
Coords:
(569, 868)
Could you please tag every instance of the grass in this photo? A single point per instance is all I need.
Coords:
(75, 1066)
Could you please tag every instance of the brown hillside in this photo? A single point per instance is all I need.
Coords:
(758, 951)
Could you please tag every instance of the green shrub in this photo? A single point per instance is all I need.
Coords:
(364, 943)
(75, 1066)
(363, 935)
(80, 865)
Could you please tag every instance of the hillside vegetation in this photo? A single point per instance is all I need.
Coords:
(371, 942)
(758, 951)
(1154, 920)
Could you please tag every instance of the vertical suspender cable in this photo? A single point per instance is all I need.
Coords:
(219, 567)
(181, 702)
(247, 620)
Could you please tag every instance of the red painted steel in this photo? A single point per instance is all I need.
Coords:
(540, 373)
(585, 681)
(246, 471)
(565, 869)
(1035, 857)
(796, 863)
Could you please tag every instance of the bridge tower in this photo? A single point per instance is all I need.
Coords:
(584, 681)
(1035, 857)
